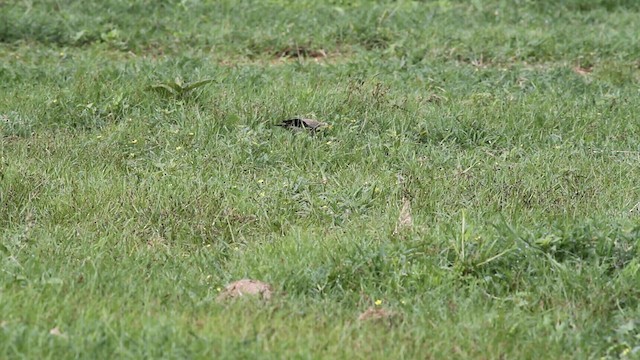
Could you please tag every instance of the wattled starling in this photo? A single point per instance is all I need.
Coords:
(303, 124)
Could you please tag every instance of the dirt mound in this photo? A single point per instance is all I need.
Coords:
(375, 313)
(247, 287)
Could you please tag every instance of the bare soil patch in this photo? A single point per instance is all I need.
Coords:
(247, 287)
(375, 313)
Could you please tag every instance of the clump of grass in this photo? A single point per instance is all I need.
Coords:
(178, 88)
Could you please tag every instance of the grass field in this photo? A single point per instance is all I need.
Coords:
(509, 130)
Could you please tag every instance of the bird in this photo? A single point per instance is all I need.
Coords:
(303, 124)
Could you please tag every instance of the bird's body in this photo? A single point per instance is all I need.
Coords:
(303, 124)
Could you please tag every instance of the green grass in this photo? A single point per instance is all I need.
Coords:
(124, 210)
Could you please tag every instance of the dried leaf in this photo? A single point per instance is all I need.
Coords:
(583, 70)
(56, 332)
(405, 221)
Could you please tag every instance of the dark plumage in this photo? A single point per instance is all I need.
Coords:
(302, 124)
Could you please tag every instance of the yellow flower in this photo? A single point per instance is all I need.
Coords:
(260, 181)
(378, 302)
(178, 148)
(134, 141)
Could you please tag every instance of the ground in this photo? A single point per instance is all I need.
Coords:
(475, 195)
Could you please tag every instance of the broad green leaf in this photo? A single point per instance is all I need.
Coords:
(197, 84)
(164, 88)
